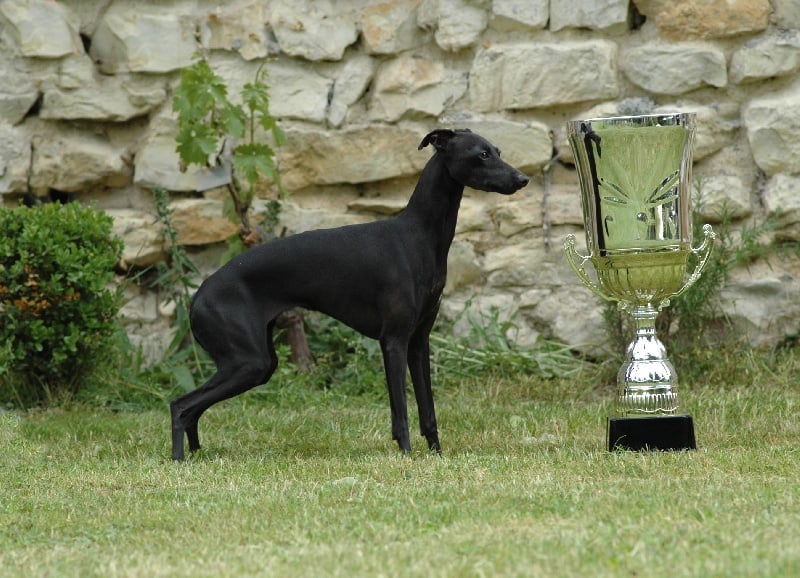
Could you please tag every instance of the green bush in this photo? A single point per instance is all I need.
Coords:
(58, 311)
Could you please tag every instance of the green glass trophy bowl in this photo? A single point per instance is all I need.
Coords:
(635, 174)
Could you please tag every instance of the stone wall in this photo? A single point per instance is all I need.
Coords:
(85, 108)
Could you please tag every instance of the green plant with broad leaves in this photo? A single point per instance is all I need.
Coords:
(211, 128)
(215, 131)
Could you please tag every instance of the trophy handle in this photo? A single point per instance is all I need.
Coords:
(577, 262)
(704, 252)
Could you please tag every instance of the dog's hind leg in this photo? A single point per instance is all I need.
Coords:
(240, 369)
(419, 364)
(184, 422)
(395, 355)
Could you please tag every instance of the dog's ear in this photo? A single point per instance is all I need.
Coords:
(438, 138)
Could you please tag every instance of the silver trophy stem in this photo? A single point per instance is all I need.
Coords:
(646, 382)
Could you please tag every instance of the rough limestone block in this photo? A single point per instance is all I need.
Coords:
(294, 219)
(373, 153)
(239, 26)
(377, 205)
(463, 268)
(675, 69)
(18, 89)
(141, 234)
(297, 92)
(525, 264)
(14, 106)
(458, 23)
(201, 221)
(474, 215)
(786, 14)
(414, 84)
(157, 163)
(531, 75)
(390, 27)
(155, 40)
(763, 301)
(351, 83)
(502, 306)
(296, 89)
(314, 30)
(592, 14)
(138, 305)
(724, 195)
(39, 28)
(74, 160)
(528, 209)
(573, 316)
(512, 13)
(76, 71)
(781, 198)
(682, 19)
(115, 98)
(15, 157)
(773, 130)
(766, 57)
(519, 214)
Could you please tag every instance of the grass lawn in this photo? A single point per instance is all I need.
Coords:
(304, 482)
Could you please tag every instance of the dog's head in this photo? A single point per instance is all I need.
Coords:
(474, 162)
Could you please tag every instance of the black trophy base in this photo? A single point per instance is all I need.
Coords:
(664, 433)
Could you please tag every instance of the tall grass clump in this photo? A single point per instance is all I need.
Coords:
(488, 348)
(348, 362)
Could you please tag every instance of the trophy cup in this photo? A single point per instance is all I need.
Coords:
(634, 175)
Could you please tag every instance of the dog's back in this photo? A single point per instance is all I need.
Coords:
(346, 272)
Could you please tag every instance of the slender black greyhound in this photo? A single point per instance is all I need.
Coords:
(383, 279)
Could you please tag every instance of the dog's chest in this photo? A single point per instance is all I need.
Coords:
(437, 287)
(432, 295)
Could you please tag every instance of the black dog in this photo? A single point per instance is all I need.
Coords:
(383, 279)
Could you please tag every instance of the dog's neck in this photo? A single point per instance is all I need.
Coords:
(435, 204)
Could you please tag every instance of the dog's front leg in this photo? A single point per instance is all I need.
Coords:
(419, 364)
(395, 353)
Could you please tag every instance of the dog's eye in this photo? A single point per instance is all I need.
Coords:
(484, 155)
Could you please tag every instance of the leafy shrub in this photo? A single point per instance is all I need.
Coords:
(56, 262)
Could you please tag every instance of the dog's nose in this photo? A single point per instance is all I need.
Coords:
(522, 180)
